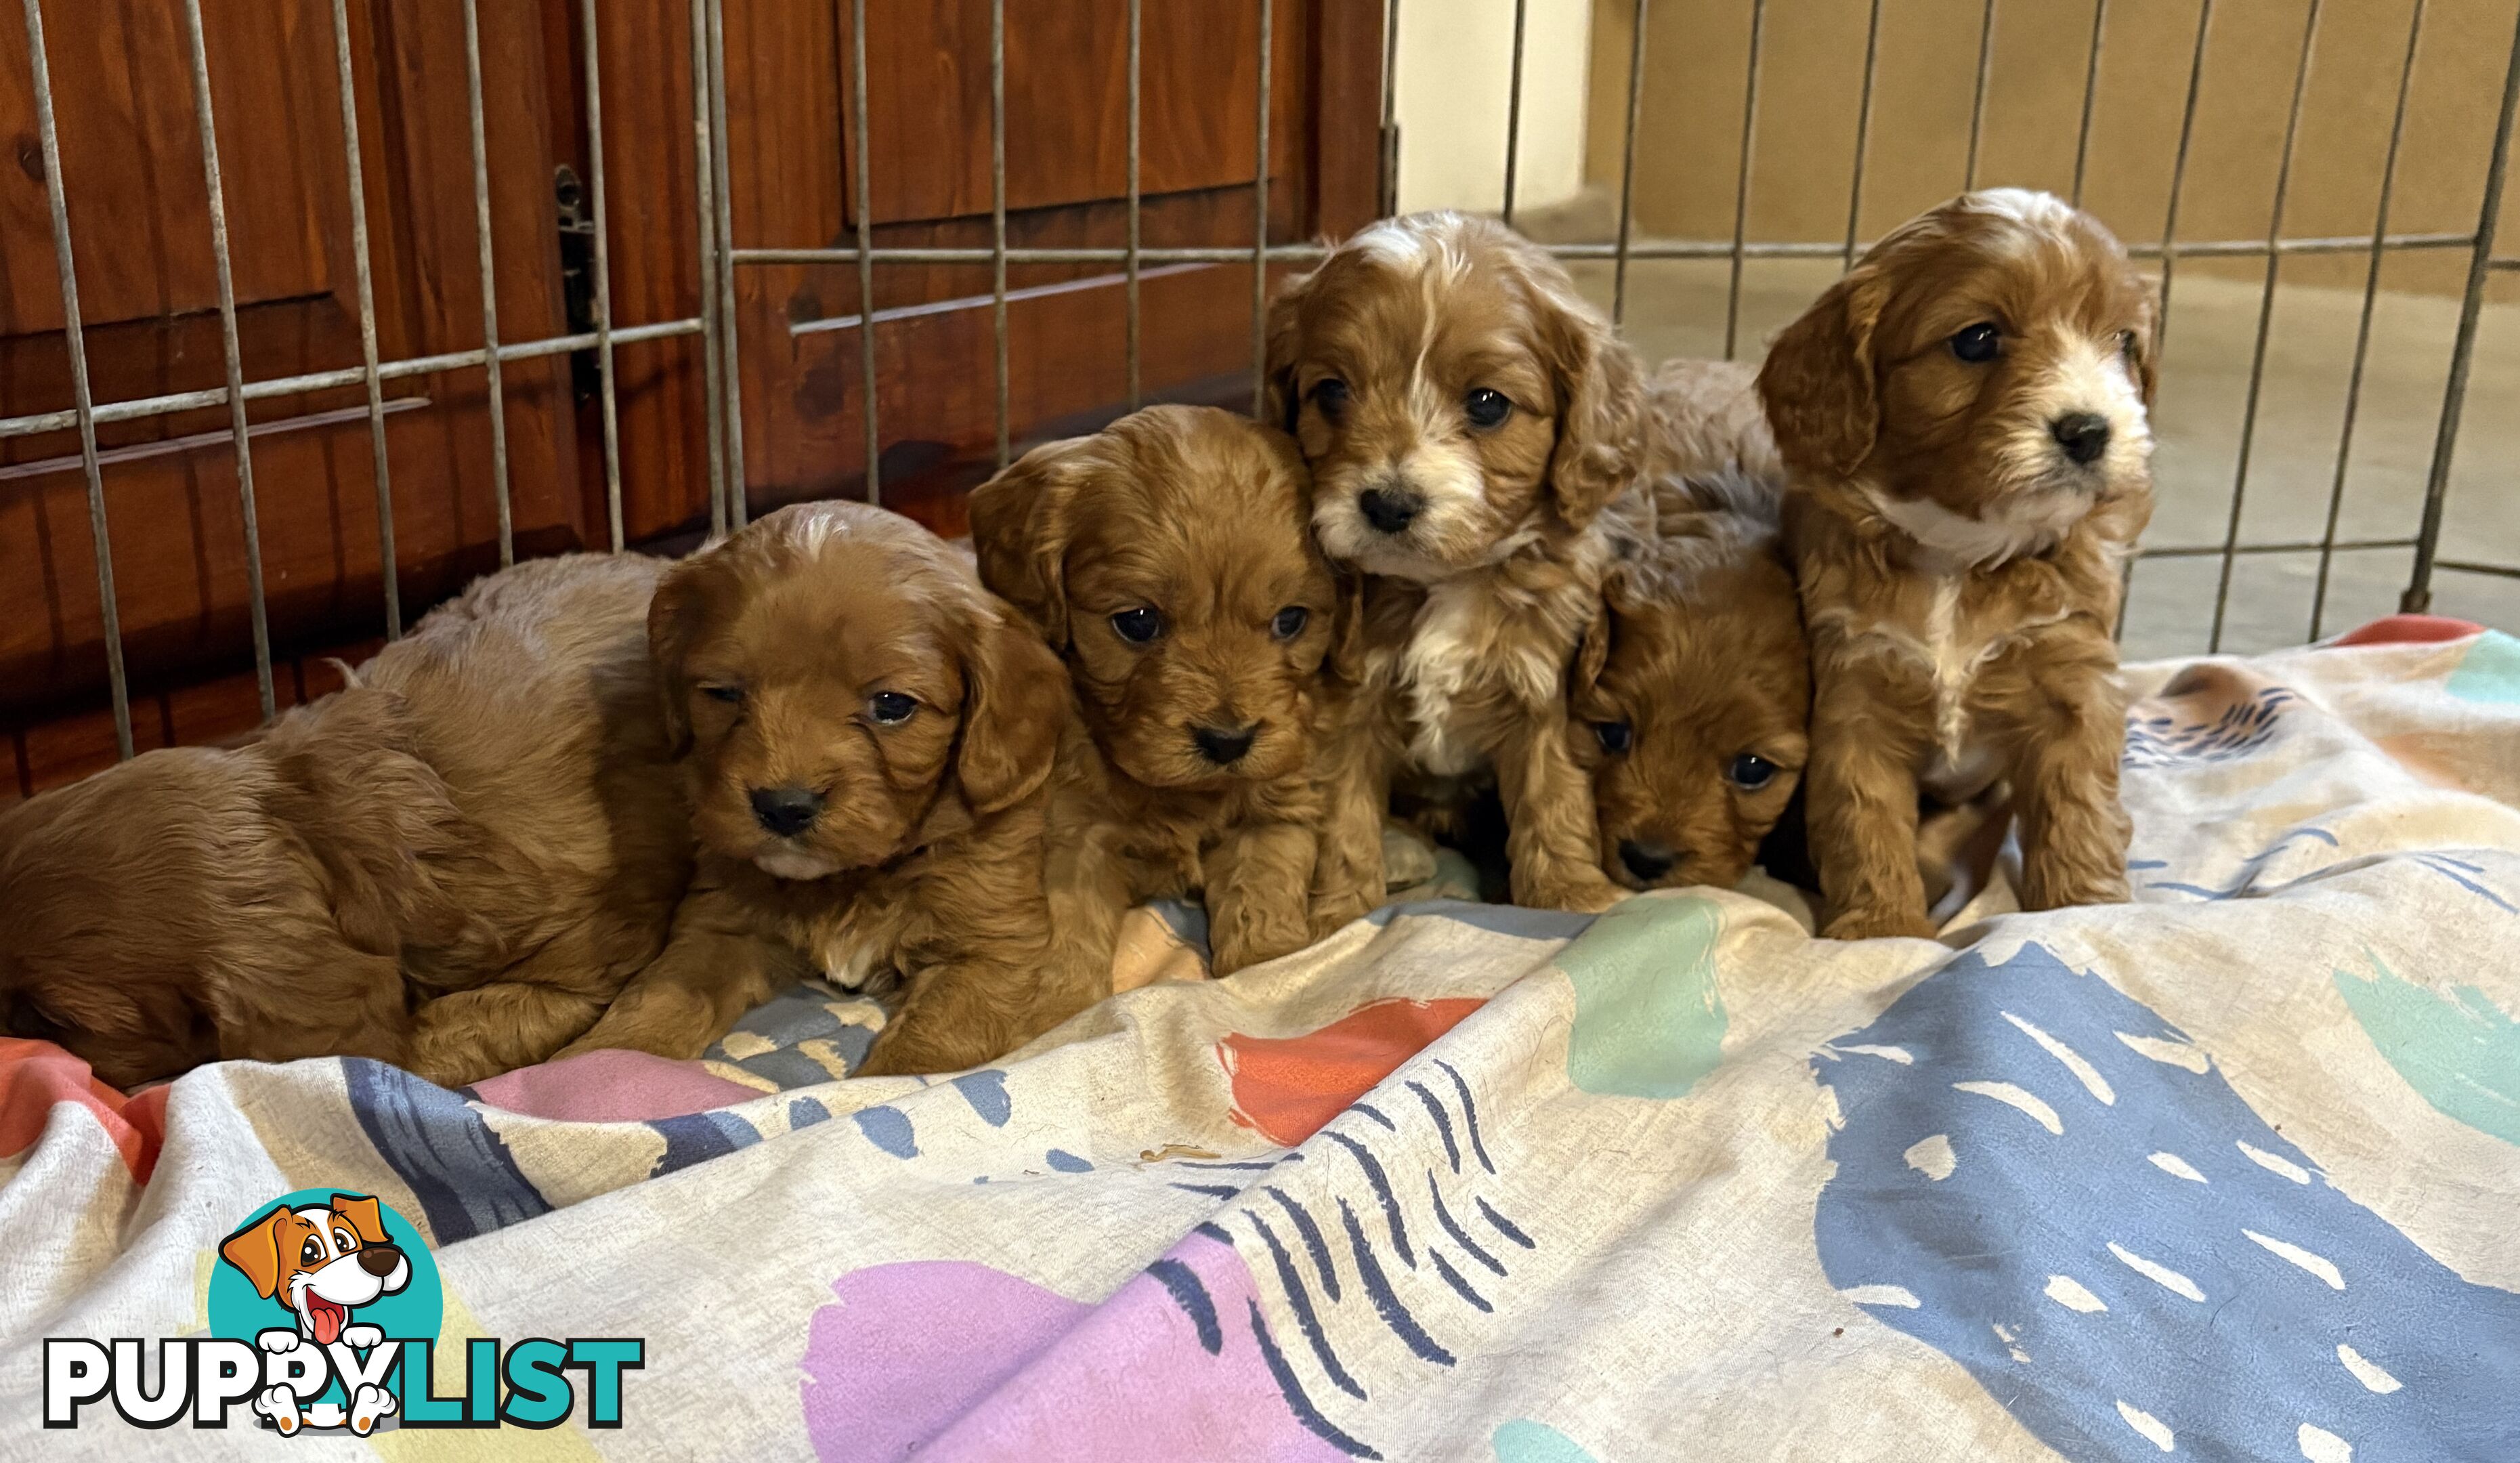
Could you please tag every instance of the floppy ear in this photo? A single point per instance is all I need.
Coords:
(2147, 341)
(1021, 520)
(366, 1218)
(673, 624)
(1600, 421)
(1592, 651)
(1279, 403)
(1345, 662)
(1015, 699)
(1817, 383)
(256, 1250)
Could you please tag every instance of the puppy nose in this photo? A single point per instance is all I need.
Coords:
(1224, 745)
(1647, 861)
(2084, 435)
(786, 811)
(1387, 509)
(380, 1259)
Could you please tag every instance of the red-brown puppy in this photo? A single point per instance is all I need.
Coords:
(1166, 558)
(867, 738)
(1691, 694)
(1964, 415)
(1474, 431)
(451, 865)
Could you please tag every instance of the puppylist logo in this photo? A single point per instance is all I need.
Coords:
(324, 1312)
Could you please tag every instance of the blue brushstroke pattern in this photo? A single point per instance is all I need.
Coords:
(453, 1162)
(1443, 1122)
(888, 1128)
(1461, 1237)
(697, 1137)
(1382, 1182)
(1191, 1296)
(2234, 1377)
(1314, 1243)
(1470, 1114)
(1294, 1391)
(1066, 1162)
(1301, 1299)
(1387, 1304)
(986, 1091)
(805, 1112)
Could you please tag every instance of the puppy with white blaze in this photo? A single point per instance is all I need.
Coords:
(1964, 417)
(323, 1262)
(1474, 429)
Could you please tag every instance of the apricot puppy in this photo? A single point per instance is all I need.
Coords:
(1166, 560)
(1474, 431)
(1964, 418)
(1691, 691)
(867, 737)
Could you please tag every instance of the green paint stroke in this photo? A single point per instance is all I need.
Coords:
(2461, 1055)
(1524, 1440)
(1649, 1021)
(2489, 673)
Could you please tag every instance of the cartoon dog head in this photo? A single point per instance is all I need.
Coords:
(322, 1261)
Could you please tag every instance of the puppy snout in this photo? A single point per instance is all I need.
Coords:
(380, 1259)
(1647, 861)
(2084, 435)
(1390, 510)
(786, 811)
(1224, 745)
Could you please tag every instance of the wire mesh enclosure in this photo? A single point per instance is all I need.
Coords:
(2315, 398)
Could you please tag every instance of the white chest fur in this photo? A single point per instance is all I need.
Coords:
(1466, 651)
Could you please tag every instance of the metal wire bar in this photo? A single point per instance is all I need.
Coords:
(74, 339)
(1260, 228)
(1387, 171)
(2419, 588)
(171, 446)
(1741, 176)
(2294, 546)
(2470, 567)
(1628, 165)
(2265, 325)
(703, 186)
(389, 567)
(2363, 325)
(864, 194)
(2091, 95)
(955, 305)
(1977, 102)
(602, 276)
(738, 506)
(1513, 109)
(489, 282)
(1136, 371)
(348, 375)
(231, 352)
(1666, 249)
(1862, 132)
(998, 201)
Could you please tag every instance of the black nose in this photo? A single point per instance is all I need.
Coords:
(1647, 861)
(1389, 510)
(1224, 745)
(380, 1259)
(2084, 435)
(786, 811)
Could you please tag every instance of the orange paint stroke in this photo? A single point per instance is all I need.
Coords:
(1287, 1088)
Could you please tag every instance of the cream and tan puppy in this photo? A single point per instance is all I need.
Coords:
(1474, 428)
(1964, 417)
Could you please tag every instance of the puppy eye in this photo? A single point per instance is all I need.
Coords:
(310, 1253)
(1329, 394)
(1616, 736)
(1290, 621)
(1138, 626)
(1979, 344)
(2127, 346)
(892, 708)
(1484, 407)
(344, 1241)
(1750, 772)
(731, 694)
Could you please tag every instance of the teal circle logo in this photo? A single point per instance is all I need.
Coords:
(320, 1267)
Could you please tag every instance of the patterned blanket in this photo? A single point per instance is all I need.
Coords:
(2232, 1171)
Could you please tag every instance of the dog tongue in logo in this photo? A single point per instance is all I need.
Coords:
(326, 1319)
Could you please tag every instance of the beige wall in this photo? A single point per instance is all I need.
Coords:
(1450, 94)
(1811, 80)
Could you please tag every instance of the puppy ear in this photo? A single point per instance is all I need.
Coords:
(673, 624)
(1818, 385)
(1021, 520)
(255, 1251)
(1345, 662)
(2147, 341)
(1592, 651)
(1600, 392)
(1285, 336)
(1016, 698)
(366, 1217)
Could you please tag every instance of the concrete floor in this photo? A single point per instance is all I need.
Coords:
(1678, 308)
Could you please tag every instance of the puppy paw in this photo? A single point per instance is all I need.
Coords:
(2069, 893)
(372, 1404)
(361, 1336)
(277, 1340)
(1588, 892)
(1879, 924)
(1252, 942)
(280, 1404)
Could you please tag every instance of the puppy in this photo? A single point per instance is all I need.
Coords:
(867, 736)
(1691, 691)
(450, 865)
(1964, 416)
(322, 1261)
(1167, 560)
(1474, 431)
